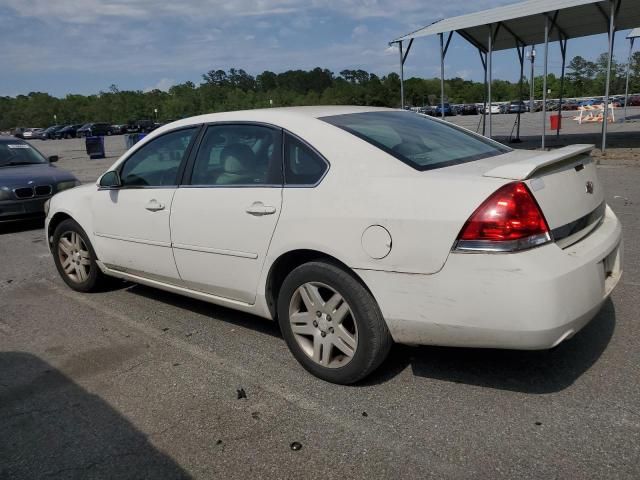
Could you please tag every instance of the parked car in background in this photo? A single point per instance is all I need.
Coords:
(98, 129)
(500, 263)
(448, 111)
(495, 109)
(28, 180)
(119, 129)
(68, 131)
(634, 101)
(427, 110)
(468, 109)
(141, 126)
(48, 133)
(517, 106)
(32, 133)
(18, 132)
(589, 103)
(569, 105)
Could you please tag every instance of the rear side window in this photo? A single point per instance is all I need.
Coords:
(302, 166)
(418, 141)
(247, 155)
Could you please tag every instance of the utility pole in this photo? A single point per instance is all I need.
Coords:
(532, 56)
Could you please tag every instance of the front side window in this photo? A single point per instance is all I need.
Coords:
(239, 155)
(156, 164)
(416, 140)
(302, 166)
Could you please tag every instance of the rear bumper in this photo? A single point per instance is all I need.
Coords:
(530, 300)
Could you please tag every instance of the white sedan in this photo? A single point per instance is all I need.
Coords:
(352, 227)
(495, 109)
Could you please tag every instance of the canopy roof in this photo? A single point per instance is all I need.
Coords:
(635, 33)
(523, 23)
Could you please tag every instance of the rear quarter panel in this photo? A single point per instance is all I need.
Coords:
(423, 211)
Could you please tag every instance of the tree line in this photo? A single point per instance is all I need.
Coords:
(221, 90)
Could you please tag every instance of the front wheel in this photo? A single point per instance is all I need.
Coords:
(331, 323)
(75, 258)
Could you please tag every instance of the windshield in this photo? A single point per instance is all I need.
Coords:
(419, 141)
(15, 152)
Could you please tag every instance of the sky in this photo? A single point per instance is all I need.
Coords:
(84, 46)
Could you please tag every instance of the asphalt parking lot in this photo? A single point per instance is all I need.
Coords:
(138, 383)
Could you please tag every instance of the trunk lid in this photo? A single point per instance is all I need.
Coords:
(565, 184)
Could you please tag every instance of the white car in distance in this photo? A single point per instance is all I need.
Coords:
(352, 227)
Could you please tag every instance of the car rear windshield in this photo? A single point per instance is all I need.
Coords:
(418, 141)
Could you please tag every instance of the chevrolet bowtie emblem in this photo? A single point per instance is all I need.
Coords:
(589, 187)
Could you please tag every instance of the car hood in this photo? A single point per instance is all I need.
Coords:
(38, 174)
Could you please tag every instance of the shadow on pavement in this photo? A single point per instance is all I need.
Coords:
(544, 371)
(214, 312)
(51, 427)
(22, 226)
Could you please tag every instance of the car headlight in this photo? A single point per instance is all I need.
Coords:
(66, 185)
(5, 194)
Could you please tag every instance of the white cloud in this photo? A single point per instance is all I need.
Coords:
(164, 84)
(87, 11)
(464, 73)
(359, 30)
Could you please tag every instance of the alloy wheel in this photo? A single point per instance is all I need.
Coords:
(74, 256)
(323, 324)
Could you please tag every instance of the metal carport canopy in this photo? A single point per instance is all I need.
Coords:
(518, 25)
(521, 22)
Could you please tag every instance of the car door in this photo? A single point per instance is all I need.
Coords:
(224, 215)
(131, 222)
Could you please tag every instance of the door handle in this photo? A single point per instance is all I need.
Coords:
(154, 206)
(259, 209)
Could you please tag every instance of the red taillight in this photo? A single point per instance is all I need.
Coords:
(510, 219)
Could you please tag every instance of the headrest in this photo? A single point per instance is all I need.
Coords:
(237, 158)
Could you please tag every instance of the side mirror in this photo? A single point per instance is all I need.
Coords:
(53, 158)
(110, 180)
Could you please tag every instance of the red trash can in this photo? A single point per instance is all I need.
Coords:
(556, 122)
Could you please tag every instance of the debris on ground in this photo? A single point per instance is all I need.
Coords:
(241, 393)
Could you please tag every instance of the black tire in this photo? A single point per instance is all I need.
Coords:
(373, 338)
(95, 279)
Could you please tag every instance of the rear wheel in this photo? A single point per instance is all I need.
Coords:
(75, 258)
(331, 323)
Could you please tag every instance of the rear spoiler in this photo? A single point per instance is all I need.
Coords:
(523, 169)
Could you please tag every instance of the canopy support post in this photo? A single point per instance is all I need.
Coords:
(612, 32)
(483, 59)
(544, 81)
(442, 75)
(520, 85)
(489, 67)
(626, 88)
(532, 80)
(403, 58)
(563, 50)
(443, 53)
(401, 75)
